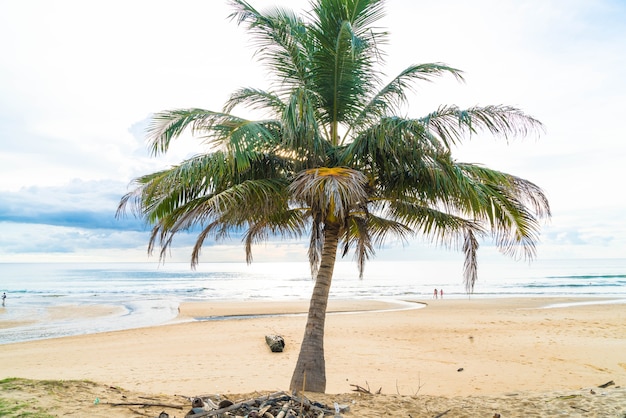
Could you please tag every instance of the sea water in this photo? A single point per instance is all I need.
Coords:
(145, 294)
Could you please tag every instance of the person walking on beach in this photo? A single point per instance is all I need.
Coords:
(440, 293)
(4, 296)
(435, 294)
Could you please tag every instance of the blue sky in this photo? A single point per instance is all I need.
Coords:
(78, 80)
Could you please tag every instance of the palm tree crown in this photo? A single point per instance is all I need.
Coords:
(334, 160)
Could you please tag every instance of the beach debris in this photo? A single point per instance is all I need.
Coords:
(607, 384)
(275, 405)
(564, 397)
(460, 369)
(361, 389)
(496, 415)
(144, 404)
(579, 408)
(198, 406)
(224, 404)
(164, 415)
(593, 392)
(276, 343)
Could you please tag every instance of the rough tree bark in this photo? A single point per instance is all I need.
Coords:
(310, 372)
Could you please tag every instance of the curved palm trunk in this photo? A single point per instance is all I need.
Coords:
(310, 372)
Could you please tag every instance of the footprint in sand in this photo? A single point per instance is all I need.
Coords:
(622, 365)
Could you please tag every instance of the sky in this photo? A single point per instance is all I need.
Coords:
(80, 79)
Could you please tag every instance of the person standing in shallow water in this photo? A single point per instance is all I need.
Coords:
(435, 294)
(440, 293)
(4, 296)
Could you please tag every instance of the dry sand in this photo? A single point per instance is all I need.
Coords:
(468, 357)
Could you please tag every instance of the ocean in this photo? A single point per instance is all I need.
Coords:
(150, 293)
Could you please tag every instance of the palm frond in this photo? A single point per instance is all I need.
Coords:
(161, 192)
(470, 265)
(389, 100)
(301, 132)
(367, 231)
(513, 207)
(358, 234)
(241, 205)
(202, 236)
(391, 147)
(218, 129)
(255, 99)
(452, 124)
(247, 140)
(167, 125)
(278, 36)
(344, 56)
(444, 228)
(287, 223)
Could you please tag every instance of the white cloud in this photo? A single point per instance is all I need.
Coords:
(78, 81)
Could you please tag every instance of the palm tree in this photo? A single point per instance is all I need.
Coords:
(335, 161)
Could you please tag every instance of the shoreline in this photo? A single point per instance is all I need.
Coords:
(76, 319)
(502, 345)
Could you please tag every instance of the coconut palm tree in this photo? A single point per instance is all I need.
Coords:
(334, 160)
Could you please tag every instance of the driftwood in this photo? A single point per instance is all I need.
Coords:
(275, 405)
(579, 408)
(145, 404)
(276, 343)
(607, 384)
(283, 411)
(361, 389)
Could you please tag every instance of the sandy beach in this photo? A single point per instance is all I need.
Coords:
(516, 357)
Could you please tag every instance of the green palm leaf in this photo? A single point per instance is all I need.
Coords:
(389, 100)
(452, 124)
